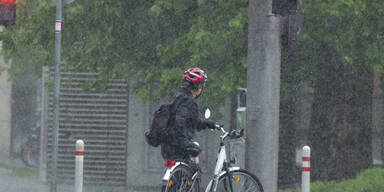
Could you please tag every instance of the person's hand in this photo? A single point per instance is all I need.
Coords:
(209, 124)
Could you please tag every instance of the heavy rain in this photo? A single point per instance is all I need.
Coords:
(199, 95)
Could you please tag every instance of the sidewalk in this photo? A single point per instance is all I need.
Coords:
(14, 177)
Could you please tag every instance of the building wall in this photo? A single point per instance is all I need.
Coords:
(5, 112)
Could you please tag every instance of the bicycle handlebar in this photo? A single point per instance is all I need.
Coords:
(232, 135)
(220, 127)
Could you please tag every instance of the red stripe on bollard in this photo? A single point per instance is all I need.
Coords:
(305, 169)
(79, 166)
(306, 159)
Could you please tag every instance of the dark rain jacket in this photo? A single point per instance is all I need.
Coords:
(184, 121)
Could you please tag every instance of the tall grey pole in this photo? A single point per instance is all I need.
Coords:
(263, 93)
(43, 128)
(57, 92)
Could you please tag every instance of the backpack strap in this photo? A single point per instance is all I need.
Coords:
(173, 107)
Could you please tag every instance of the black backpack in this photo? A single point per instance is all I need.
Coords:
(159, 127)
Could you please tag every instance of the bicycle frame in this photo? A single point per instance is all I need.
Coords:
(222, 166)
(169, 170)
(221, 161)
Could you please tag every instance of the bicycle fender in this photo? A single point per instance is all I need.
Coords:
(230, 169)
(209, 186)
(168, 172)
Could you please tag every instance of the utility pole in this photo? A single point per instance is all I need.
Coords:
(263, 93)
(57, 92)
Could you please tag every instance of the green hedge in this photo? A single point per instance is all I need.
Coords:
(370, 180)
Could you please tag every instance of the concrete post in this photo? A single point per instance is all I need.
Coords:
(263, 93)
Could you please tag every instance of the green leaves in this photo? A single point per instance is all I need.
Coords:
(154, 41)
(151, 41)
(350, 26)
(210, 35)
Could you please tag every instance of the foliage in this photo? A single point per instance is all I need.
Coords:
(151, 42)
(347, 34)
(353, 28)
(369, 180)
(154, 41)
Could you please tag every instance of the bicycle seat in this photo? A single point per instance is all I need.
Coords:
(192, 149)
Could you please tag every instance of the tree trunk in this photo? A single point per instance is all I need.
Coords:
(340, 131)
(287, 172)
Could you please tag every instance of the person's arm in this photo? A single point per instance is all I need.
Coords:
(205, 123)
(201, 123)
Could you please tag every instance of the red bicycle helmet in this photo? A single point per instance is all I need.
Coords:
(194, 75)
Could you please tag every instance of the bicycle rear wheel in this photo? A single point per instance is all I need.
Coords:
(240, 180)
(181, 180)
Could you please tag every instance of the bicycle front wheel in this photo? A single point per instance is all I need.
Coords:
(181, 180)
(239, 181)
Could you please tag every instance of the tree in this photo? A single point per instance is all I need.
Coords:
(341, 130)
(345, 39)
(291, 76)
(151, 40)
(154, 41)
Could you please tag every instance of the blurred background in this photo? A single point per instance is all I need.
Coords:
(121, 59)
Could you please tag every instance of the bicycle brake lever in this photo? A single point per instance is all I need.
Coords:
(235, 134)
(241, 132)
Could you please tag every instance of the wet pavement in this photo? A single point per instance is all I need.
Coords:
(11, 183)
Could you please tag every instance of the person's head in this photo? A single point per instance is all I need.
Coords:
(194, 80)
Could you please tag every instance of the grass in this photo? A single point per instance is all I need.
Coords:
(23, 173)
(112, 189)
(369, 180)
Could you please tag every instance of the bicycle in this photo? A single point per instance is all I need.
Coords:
(185, 176)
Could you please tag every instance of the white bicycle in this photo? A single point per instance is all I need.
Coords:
(185, 175)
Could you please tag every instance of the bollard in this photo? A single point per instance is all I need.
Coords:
(306, 169)
(79, 166)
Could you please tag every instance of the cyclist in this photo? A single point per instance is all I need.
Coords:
(184, 118)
